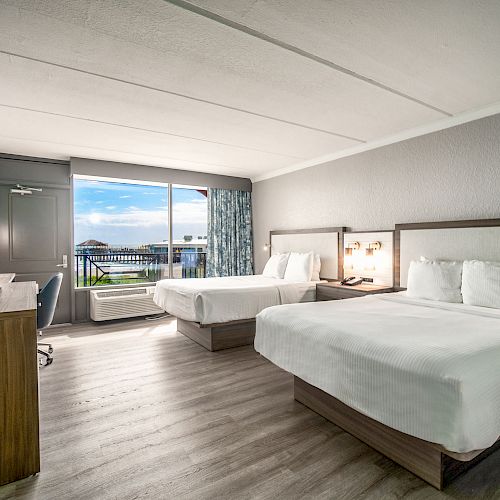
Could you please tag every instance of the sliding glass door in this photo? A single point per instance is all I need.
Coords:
(123, 235)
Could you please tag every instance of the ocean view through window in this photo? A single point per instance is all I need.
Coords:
(122, 234)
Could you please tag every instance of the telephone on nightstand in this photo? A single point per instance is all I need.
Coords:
(351, 281)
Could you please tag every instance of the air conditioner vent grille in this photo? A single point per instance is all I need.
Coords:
(124, 303)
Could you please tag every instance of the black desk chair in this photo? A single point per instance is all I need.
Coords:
(47, 300)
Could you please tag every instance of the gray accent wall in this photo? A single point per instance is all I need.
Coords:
(446, 175)
(33, 171)
(99, 168)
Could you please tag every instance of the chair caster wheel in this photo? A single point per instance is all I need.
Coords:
(49, 361)
(51, 350)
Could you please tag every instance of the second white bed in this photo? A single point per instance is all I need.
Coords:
(428, 369)
(220, 300)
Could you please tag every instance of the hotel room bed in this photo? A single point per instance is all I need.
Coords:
(221, 300)
(417, 366)
(416, 379)
(219, 313)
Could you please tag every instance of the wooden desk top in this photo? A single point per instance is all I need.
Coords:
(18, 296)
(7, 278)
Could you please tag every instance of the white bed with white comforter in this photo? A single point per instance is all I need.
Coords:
(220, 300)
(429, 369)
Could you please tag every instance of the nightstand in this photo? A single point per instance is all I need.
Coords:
(335, 291)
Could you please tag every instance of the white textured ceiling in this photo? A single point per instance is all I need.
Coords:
(237, 87)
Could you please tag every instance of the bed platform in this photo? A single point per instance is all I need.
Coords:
(218, 336)
(429, 461)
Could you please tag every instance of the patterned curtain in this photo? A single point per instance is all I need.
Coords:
(229, 247)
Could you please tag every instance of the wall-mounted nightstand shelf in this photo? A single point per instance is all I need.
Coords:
(336, 291)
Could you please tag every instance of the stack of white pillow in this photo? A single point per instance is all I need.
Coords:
(473, 282)
(294, 266)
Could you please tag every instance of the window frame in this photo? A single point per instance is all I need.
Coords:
(168, 185)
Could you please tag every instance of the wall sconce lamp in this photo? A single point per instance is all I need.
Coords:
(370, 252)
(267, 247)
(348, 253)
(376, 245)
(350, 247)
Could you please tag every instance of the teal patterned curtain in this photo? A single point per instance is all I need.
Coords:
(229, 247)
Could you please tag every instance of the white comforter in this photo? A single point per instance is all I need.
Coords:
(428, 369)
(218, 300)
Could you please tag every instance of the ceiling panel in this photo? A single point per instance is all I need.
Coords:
(176, 150)
(179, 89)
(443, 52)
(199, 58)
(51, 89)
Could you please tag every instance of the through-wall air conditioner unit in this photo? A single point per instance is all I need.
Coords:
(123, 303)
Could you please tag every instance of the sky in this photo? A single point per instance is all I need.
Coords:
(135, 214)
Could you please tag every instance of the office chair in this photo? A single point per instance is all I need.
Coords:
(46, 306)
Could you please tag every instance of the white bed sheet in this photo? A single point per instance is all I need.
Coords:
(428, 369)
(219, 300)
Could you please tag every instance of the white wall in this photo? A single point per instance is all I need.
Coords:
(446, 175)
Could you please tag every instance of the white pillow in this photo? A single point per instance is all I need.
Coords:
(316, 268)
(299, 267)
(276, 265)
(435, 280)
(481, 283)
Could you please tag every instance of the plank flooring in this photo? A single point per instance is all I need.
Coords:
(133, 409)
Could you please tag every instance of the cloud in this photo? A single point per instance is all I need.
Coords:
(132, 218)
(111, 207)
(125, 197)
(191, 212)
(100, 202)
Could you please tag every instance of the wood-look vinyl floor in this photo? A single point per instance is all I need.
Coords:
(133, 409)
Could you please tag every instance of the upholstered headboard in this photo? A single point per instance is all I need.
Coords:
(326, 241)
(452, 240)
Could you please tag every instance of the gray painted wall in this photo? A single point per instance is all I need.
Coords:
(446, 175)
(131, 171)
(33, 171)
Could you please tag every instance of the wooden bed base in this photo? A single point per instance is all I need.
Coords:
(427, 460)
(219, 336)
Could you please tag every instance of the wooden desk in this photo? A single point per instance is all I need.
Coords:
(19, 417)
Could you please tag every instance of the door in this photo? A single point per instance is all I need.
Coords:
(35, 239)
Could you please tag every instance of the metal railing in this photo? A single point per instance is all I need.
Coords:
(113, 268)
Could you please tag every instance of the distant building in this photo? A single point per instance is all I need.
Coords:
(195, 245)
(92, 246)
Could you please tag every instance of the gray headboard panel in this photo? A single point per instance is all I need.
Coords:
(452, 240)
(328, 242)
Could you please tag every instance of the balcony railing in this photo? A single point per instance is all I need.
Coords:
(114, 268)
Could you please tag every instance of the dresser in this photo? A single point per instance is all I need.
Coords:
(335, 291)
(19, 415)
